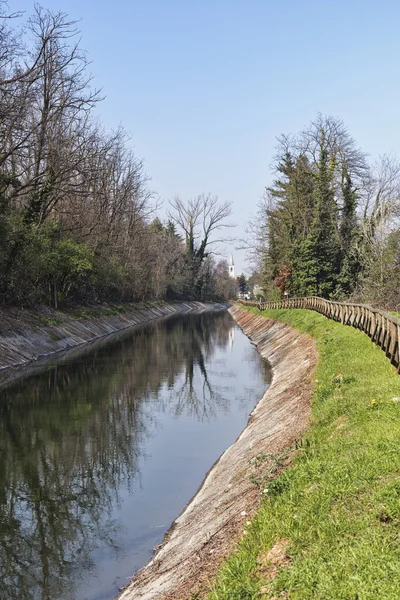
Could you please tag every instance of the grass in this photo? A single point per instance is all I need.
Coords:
(44, 320)
(333, 517)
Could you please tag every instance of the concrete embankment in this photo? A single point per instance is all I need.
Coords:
(213, 521)
(22, 345)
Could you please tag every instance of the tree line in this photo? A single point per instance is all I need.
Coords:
(78, 222)
(328, 223)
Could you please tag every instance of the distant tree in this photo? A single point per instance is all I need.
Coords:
(157, 226)
(282, 279)
(225, 286)
(242, 283)
(200, 220)
(170, 230)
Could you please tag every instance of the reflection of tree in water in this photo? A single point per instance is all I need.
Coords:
(71, 435)
(261, 369)
(201, 401)
(62, 462)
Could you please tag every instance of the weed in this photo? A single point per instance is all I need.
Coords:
(44, 321)
(275, 462)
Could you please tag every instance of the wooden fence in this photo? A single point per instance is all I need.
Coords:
(380, 326)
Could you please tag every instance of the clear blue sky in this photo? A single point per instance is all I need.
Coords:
(205, 86)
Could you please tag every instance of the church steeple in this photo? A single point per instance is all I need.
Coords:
(231, 266)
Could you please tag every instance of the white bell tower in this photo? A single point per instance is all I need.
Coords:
(231, 267)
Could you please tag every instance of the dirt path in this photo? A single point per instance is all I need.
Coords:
(213, 521)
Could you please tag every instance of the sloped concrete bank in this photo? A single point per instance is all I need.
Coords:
(213, 521)
(22, 345)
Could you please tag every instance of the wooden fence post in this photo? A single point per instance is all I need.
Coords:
(398, 346)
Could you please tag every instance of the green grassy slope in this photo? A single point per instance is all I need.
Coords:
(332, 518)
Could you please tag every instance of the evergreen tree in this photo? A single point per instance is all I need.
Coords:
(311, 224)
(242, 283)
(289, 220)
(349, 234)
(170, 230)
(316, 260)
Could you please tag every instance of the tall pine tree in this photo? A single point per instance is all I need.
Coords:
(289, 220)
(351, 266)
(317, 262)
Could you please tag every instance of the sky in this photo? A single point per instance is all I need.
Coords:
(205, 86)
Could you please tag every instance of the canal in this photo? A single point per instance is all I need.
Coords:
(101, 450)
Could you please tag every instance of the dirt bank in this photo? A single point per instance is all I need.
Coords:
(213, 521)
(23, 341)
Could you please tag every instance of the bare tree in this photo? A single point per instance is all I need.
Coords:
(341, 146)
(382, 197)
(255, 240)
(330, 134)
(63, 100)
(381, 212)
(198, 219)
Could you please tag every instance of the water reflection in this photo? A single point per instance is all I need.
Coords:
(74, 437)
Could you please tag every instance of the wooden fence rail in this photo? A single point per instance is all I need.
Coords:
(380, 326)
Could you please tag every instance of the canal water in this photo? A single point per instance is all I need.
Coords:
(102, 450)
